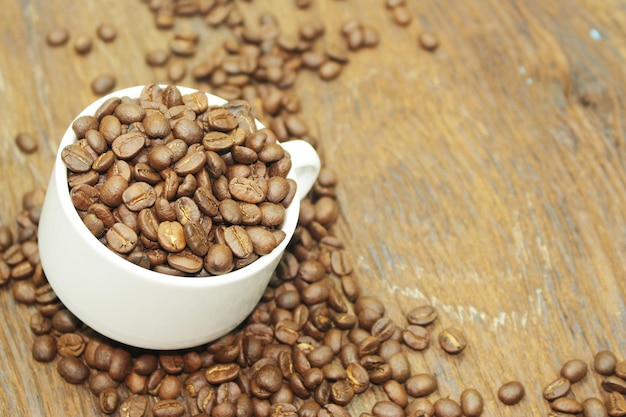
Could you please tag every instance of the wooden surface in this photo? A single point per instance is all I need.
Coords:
(487, 178)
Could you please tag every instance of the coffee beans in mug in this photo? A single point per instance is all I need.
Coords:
(185, 196)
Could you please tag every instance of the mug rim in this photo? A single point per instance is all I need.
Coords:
(61, 179)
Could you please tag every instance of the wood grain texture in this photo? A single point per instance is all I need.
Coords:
(487, 178)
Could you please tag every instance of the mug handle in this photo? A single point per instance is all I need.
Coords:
(305, 162)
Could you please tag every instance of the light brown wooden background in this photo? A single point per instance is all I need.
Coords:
(487, 178)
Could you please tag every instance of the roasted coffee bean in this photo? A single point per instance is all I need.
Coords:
(614, 383)
(620, 369)
(39, 324)
(121, 238)
(566, 405)
(24, 291)
(71, 344)
(594, 407)
(5, 273)
(26, 142)
(330, 70)
(102, 356)
(428, 41)
(103, 84)
(421, 385)
(135, 406)
(396, 392)
(401, 15)
(452, 340)
(76, 158)
(139, 196)
(368, 346)
(472, 402)
(381, 374)
(420, 407)
(169, 388)
(90, 351)
(238, 240)
(447, 407)
(171, 236)
(400, 367)
(341, 392)
(82, 44)
(320, 356)
(137, 384)
(416, 337)
(615, 404)
(44, 348)
(108, 401)
(73, 370)
(511, 392)
(145, 364)
(387, 409)
(83, 196)
(357, 377)
(219, 259)
(128, 145)
(6, 237)
(315, 293)
(269, 378)
(65, 321)
(422, 315)
(604, 362)
(120, 364)
(171, 363)
(154, 381)
(220, 373)
(195, 237)
(574, 370)
(57, 36)
(112, 190)
(383, 329)
(556, 389)
(106, 32)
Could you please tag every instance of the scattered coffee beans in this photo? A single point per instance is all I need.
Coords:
(305, 350)
(511, 392)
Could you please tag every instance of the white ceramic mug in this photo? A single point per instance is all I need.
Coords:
(141, 307)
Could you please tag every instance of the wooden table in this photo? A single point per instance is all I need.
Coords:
(487, 177)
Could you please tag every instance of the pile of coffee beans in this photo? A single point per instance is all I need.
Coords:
(313, 343)
(179, 186)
